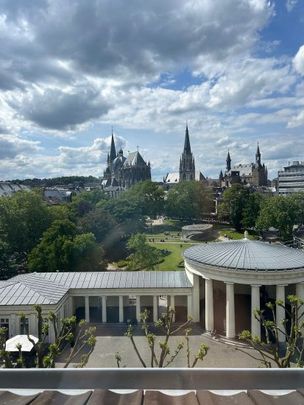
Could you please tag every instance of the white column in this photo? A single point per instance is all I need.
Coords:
(209, 315)
(300, 294)
(13, 325)
(280, 312)
(33, 325)
(300, 291)
(138, 308)
(255, 305)
(155, 308)
(121, 309)
(196, 298)
(87, 308)
(189, 307)
(51, 336)
(104, 308)
(230, 311)
(172, 305)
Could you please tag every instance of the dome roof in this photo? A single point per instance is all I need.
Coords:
(118, 162)
(246, 254)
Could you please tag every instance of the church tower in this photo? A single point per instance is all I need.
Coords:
(258, 156)
(228, 162)
(187, 165)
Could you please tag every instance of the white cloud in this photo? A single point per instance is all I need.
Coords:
(298, 60)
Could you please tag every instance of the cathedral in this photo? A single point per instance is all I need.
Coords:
(187, 170)
(254, 174)
(124, 171)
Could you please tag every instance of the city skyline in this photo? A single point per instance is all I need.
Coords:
(70, 71)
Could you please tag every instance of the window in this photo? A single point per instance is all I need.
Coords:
(24, 326)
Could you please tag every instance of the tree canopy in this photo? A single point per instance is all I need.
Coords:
(188, 200)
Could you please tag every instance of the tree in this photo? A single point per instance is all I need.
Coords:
(87, 201)
(144, 256)
(165, 356)
(77, 337)
(150, 196)
(62, 248)
(23, 218)
(233, 204)
(291, 329)
(101, 223)
(188, 200)
(279, 212)
(252, 209)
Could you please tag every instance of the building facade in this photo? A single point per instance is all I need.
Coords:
(123, 171)
(254, 174)
(291, 178)
(187, 170)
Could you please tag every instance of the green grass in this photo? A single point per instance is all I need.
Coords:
(236, 235)
(174, 258)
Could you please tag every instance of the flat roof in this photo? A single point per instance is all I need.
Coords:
(50, 288)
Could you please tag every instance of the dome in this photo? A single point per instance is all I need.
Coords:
(118, 162)
(246, 254)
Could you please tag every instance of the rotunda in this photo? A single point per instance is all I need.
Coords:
(233, 278)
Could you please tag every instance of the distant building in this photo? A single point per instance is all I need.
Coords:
(291, 178)
(7, 188)
(124, 171)
(59, 195)
(187, 170)
(253, 174)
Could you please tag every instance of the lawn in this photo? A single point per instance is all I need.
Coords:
(174, 258)
(231, 234)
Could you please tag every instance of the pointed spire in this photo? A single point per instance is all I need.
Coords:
(221, 176)
(113, 149)
(258, 155)
(228, 161)
(187, 147)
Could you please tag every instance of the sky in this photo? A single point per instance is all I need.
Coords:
(71, 70)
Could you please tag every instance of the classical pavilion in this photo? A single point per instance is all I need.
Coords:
(221, 286)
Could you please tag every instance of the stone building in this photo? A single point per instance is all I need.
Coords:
(254, 174)
(187, 170)
(124, 172)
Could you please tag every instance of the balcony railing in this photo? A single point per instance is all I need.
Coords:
(159, 379)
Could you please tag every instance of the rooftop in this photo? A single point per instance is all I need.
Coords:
(246, 254)
(49, 288)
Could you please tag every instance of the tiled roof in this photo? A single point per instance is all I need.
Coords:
(246, 254)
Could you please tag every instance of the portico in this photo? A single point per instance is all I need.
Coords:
(234, 271)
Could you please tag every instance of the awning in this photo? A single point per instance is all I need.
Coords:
(26, 345)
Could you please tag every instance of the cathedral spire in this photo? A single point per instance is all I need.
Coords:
(187, 147)
(113, 149)
(258, 155)
(228, 161)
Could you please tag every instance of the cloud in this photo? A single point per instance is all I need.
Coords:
(61, 110)
(298, 60)
(290, 4)
(89, 156)
(12, 146)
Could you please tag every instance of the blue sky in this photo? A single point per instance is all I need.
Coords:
(70, 70)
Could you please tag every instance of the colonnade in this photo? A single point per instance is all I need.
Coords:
(255, 305)
(170, 300)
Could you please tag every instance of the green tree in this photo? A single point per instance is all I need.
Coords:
(101, 223)
(150, 197)
(23, 219)
(86, 202)
(233, 204)
(251, 209)
(188, 200)
(144, 256)
(291, 328)
(61, 248)
(279, 212)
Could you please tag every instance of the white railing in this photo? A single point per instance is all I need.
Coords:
(139, 378)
